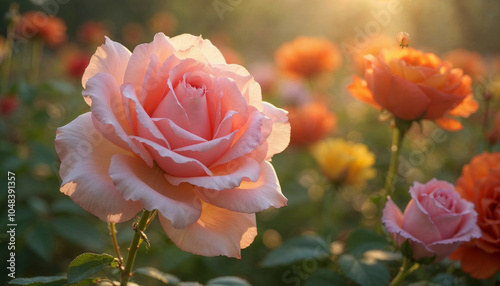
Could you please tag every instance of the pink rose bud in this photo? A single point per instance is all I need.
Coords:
(403, 39)
(435, 222)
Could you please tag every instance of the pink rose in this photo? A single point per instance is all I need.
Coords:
(172, 127)
(436, 220)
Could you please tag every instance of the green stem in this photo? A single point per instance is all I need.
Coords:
(36, 58)
(397, 141)
(326, 211)
(406, 269)
(134, 246)
(112, 231)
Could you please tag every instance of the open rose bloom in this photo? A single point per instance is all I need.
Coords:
(413, 85)
(480, 184)
(436, 220)
(172, 127)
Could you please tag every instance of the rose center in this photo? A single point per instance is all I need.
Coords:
(444, 198)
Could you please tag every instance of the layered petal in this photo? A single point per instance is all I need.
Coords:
(138, 182)
(249, 197)
(110, 58)
(217, 232)
(279, 138)
(85, 159)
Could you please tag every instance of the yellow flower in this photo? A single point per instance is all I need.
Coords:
(344, 162)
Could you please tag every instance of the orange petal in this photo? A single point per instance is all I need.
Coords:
(359, 90)
(466, 107)
(449, 124)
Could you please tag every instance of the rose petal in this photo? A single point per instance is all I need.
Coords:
(173, 163)
(405, 100)
(249, 197)
(138, 182)
(207, 152)
(418, 223)
(449, 124)
(217, 232)
(108, 114)
(85, 157)
(145, 127)
(359, 90)
(186, 41)
(112, 58)
(176, 136)
(224, 177)
(377, 80)
(248, 138)
(477, 263)
(136, 69)
(279, 138)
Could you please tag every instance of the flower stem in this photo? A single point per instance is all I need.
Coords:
(112, 231)
(406, 269)
(36, 57)
(397, 140)
(134, 246)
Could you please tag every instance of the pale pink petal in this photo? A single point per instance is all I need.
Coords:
(279, 138)
(176, 136)
(249, 197)
(85, 158)
(173, 163)
(186, 41)
(249, 88)
(145, 127)
(229, 101)
(207, 152)
(194, 102)
(217, 232)
(171, 108)
(248, 138)
(141, 56)
(224, 177)
(418, 223)
(108, 114)
(138, 182)
(112, 58)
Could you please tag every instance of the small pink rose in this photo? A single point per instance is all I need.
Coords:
(173, 127)
(436, 220)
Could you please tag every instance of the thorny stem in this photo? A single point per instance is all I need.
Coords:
(112, 231)
(134, 246)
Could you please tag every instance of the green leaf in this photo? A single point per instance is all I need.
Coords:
(189, 284)
(445, 279)
(362, 273)
(296, 249)
(158, 275)
(39, 281)
(362, 240)
(326, 277)
(87, 264)
(79, 231)
(228, 281)
(41, 240)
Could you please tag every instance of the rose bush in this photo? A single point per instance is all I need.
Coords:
(413, 85)
(436, 220)
(480, 184)
(172, 127)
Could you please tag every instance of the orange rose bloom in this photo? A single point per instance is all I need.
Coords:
(373, 45)
(308, 57)
(472, 63)
(310, 123)
(92, 33)
(480, 184)
(50, 29)
(413, 85)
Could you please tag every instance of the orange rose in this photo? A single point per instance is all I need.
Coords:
(308, 57)
(480, 184)
(310, 122)
(92, 33)
(472, 63)
(413, 85)
(50, 29)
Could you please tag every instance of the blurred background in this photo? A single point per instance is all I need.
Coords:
(41, 91)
